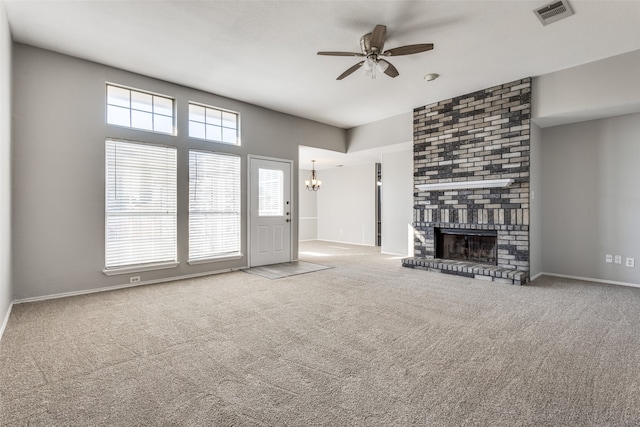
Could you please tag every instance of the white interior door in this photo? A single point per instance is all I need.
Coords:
(270, 216)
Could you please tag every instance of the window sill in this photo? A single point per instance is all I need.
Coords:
(226, 257)
(140, 268)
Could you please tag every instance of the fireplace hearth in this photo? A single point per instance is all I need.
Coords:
(477, 246)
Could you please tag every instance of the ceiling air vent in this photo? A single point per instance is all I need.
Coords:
(553, 12)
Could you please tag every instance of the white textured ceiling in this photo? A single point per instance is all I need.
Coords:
(264, 52)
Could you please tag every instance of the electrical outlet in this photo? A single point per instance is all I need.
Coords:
(608, 258)
(630, 262)
(618, 259)
(134, 279)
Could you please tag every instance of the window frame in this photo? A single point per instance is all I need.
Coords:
(267, 210)
(218, 109)
(142, 266)
(131, 109)
(220, 256)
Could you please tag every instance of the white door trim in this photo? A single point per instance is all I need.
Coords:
(250, 158)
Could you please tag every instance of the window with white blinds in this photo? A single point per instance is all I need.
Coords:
(140, 204)
(214, 205)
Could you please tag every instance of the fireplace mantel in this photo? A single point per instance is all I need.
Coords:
(465, 185)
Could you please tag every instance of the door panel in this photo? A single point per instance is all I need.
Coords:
(278, 238)
(263, 232)
(269, 211)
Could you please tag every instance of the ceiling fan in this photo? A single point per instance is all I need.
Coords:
(372, 45)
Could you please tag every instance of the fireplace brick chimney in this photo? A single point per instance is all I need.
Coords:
(484, 135)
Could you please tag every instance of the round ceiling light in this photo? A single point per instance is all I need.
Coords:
(431, 77)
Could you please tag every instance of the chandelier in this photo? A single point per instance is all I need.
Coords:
(314, 183)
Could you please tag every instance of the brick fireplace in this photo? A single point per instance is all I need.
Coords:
(471, 173)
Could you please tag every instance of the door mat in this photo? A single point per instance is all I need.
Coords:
(286, 269)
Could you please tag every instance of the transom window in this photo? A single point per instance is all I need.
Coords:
(139, 110)
(214, 124)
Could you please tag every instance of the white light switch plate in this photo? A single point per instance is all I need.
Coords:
(631, 262)
(618, 259)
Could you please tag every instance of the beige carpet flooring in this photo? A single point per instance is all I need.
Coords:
(366, 343)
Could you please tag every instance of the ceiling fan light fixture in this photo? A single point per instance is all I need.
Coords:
(368, 64)
(382, 66)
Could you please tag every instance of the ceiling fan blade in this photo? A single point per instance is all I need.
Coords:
(350, 70)
(390, 70)
(378, 35)
(340, 54)
(409, 49)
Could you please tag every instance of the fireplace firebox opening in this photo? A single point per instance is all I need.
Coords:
(477, 246)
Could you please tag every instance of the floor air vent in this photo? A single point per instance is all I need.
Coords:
(553, 12)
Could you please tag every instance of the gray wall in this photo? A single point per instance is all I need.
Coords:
(381, 133)
(590, 198)
(604, 88)
(346, 205)
(308, 209)
(6, 292)
(535, 201)
(58, 193)
(397, 203)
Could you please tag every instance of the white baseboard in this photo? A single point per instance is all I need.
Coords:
(116, 287)
(6, 320)
(346, 243)
(589, 279)
(396, 255)
(531, 279)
